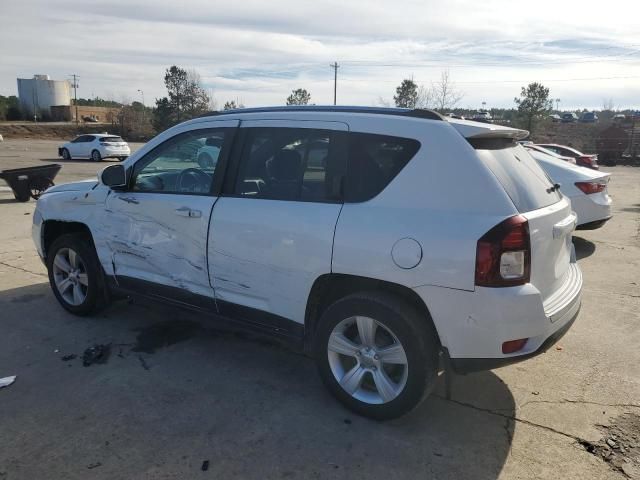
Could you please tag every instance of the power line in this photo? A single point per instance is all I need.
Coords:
(481, 82)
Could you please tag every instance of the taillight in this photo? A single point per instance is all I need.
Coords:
(591, 187)
(503, 255)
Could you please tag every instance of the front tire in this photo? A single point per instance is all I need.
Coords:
(95, 156)
(377, 354)
(75, 274)
(65, 154)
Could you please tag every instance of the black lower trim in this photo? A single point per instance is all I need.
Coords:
(246, 318)
(469, 365)
(593, 225)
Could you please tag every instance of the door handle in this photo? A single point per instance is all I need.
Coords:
(129, 200)
(187, 212)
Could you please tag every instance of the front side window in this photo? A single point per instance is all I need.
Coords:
(296, 164)
(375, 160)
(184, 164)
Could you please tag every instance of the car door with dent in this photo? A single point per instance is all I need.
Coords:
(157, 229)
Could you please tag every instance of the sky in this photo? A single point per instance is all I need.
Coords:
(256, 52)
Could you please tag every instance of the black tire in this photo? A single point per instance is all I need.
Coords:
(122, 159)
(96, 292)
(95, 156)
(413, 330)
(65, 154)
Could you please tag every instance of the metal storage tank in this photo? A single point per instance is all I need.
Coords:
(39, 93)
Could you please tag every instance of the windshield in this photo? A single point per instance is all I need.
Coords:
(523, 179)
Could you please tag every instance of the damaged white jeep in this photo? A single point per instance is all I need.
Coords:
(385, 242)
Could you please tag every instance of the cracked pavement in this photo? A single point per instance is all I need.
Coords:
(257, 410)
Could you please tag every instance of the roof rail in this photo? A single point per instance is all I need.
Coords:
(404, 112)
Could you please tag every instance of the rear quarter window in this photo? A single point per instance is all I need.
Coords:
(521, 176)
(374, 161)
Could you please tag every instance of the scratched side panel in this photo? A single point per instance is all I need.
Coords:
(151, 242)
(266, 254)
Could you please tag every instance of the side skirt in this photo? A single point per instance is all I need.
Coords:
(231, 315)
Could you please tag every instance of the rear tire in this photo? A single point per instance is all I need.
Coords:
(65, 154)
(377, 354)
(75, 274)
(95, 156)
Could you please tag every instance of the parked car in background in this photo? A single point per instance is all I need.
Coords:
(533, 146)
(95, 147)
(588, 160)
(569, 117)
(589, 117)
(555, 118)
(379, 240)
(586, 188)
(482, 116)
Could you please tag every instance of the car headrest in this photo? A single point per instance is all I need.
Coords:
(285, 166)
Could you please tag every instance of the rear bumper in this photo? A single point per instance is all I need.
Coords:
(593, 225)
(472, 326)
(591, 208)
(469, 365)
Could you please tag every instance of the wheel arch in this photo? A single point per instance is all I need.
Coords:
(53, 229)
(331, 287)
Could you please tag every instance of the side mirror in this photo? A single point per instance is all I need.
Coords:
(114, 176)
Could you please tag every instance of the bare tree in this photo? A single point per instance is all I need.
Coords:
(445, 93)
(426, 97)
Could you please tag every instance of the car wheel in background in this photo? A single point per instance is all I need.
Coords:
(95, 156)
(377, 354)
(65, 154)
(75, 274)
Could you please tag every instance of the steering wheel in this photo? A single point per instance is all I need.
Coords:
(193, 180)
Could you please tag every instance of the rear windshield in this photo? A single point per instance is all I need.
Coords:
(523, 179)
(111, 139)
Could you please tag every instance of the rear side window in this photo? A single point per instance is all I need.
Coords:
(295, 164)
(523, 179)
(375, 160)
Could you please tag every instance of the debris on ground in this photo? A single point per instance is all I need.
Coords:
(6, 381)
(91, 466)
(620, 446)
(66, 358)
(205, 465)
(143, 362)
(97, 354)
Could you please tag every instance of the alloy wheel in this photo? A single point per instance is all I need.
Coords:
(367, 360)
(70, 276)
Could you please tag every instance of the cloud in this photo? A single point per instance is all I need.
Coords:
(258, 51)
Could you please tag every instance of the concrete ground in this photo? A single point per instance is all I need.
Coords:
(177, 390)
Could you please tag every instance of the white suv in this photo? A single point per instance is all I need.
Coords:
(385, 242)
(95, 147)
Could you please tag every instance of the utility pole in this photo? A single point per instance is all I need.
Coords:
(143, 107)
(558, 105)
(75, 94)
(335, 67)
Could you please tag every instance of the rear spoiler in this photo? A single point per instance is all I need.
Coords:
(476, 130)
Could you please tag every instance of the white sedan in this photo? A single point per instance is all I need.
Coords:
(95, 147)
(586, 188)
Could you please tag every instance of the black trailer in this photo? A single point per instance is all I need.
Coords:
(30, 182)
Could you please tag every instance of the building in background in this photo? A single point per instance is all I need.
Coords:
(67, 113)
(38, 94)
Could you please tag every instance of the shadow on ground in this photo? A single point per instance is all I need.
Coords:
(251, 408)
(584, 248)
